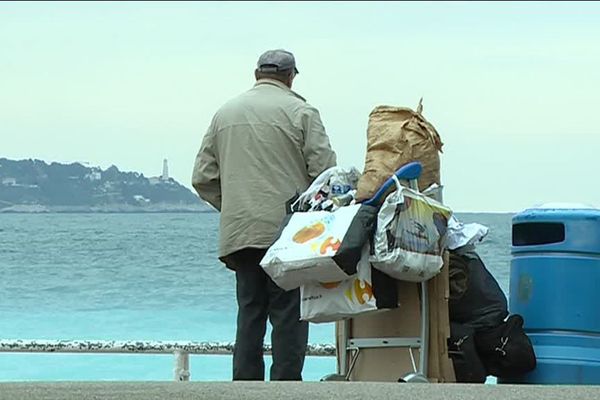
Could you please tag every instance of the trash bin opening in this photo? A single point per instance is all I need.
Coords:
(536, 233)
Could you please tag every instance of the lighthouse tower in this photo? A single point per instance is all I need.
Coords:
(165, 173)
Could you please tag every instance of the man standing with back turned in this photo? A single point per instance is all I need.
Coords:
(262, 148)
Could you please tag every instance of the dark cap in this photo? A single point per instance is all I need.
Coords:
(276, 61)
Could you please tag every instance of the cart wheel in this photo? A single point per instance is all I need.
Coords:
(333, 378)
(413, 378)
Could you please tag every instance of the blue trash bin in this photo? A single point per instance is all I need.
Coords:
(555, 286)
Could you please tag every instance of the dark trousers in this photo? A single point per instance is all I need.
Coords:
(259, 298)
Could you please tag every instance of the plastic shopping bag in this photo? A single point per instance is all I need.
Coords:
(460, 235)
(410, 234)
(319, 246)
(331, 183)
(332, 301)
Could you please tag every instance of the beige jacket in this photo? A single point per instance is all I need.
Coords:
(261, 148)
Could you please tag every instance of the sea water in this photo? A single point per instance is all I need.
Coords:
(139, 277)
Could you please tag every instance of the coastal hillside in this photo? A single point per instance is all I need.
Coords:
(35, 186)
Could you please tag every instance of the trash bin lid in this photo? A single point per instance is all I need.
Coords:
(563, 206)
(570, 227)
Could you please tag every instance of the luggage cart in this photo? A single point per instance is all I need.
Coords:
(351, 347)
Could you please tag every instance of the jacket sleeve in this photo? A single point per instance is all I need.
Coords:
(206, 177)
(317, 150)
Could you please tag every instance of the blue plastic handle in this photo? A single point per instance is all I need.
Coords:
(409, 171)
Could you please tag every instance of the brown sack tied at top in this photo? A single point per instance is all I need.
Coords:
(396, 136)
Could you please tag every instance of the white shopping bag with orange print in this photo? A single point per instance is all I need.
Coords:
(319, 246)
(332, 301)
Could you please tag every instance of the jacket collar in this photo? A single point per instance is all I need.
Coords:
(281, 85)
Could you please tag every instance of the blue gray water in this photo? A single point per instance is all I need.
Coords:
(138, 277)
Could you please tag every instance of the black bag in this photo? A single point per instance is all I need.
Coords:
(476, 299)
(359, 233)
(468, 366)
(506, 350)
(385, 289)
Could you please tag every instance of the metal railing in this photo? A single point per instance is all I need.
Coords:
(181, 350)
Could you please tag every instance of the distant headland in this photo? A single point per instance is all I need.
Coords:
(33, 186)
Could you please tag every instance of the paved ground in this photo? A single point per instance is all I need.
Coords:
(289, 391)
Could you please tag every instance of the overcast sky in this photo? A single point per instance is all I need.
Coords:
(513, 88)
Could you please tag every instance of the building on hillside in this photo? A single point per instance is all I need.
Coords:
(141, 199)
(94, 175)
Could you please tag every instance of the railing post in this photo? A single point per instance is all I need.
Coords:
(182, 366)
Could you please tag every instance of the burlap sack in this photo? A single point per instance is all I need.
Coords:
(396, 136)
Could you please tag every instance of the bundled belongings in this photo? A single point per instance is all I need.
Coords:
(332, 301)
(476, 299)
(468, 367)
(323, 245)
(478, 304)
(505, 349)
(396, 136)
(335, 187)
(408, 241)
(319, 246)
(366, 343)
(366, 291)
(390, 342)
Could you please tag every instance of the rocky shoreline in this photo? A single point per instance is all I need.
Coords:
(106, 209)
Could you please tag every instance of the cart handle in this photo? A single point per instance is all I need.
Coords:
(409, 172)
